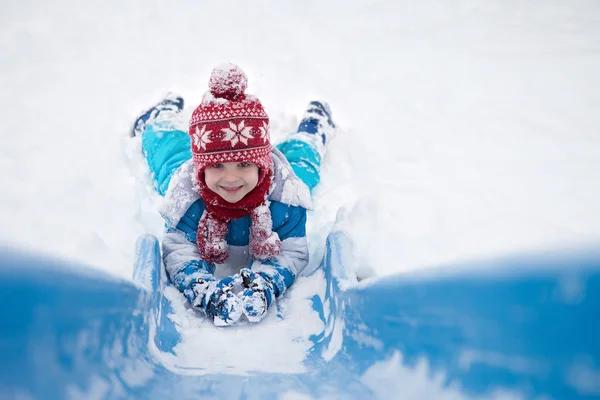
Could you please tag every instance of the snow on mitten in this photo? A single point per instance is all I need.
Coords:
(217, 300)
(257, 296)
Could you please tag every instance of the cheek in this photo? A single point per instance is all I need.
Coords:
(210, 178)
(252, 177)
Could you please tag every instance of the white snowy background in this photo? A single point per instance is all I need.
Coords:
(468, 129)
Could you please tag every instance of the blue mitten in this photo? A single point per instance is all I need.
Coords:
(258, 294)
(216, 299)
(198, 284)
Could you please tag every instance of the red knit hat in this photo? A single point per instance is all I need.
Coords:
(231, 126)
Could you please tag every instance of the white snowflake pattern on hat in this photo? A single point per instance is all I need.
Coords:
(264, 132)
(201, 138)
(237, 133)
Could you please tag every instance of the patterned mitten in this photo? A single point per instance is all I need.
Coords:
(217, 299)
(258, 294)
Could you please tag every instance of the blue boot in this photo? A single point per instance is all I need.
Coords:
(171, 104)
(305, 148)
(317, 120)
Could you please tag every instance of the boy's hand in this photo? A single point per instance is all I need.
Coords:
(217, 300)
(257, 295)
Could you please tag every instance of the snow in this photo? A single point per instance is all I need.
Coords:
(173, 209)
(419, 382)
(99, 389)
(466, 129)
(584, 377)
(278, 344)
(513, 363)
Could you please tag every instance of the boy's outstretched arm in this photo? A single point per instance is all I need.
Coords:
(183, 263)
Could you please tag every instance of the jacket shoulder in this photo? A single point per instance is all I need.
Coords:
(180, 196)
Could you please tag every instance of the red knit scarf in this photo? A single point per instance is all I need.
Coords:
(212, 229)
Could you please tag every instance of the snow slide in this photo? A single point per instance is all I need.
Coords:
(519, 328)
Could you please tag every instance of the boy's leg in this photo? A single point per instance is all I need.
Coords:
(164, 145)
(165, 151)
(305, 148)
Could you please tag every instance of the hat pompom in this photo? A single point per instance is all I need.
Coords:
(228, 81)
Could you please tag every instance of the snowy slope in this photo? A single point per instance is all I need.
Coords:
(468, 128)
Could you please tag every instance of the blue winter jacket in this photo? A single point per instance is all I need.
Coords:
(183, 208)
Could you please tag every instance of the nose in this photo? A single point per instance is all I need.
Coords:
(230, 175)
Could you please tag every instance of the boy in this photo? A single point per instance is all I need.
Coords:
(234, 207)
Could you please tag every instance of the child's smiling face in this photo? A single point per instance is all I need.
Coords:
(232, 180)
